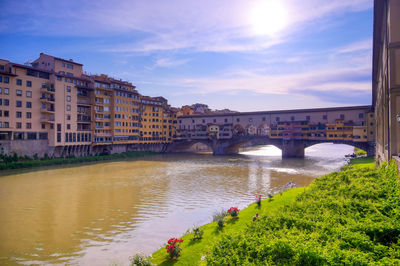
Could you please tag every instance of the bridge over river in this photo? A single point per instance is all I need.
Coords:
(290, 130)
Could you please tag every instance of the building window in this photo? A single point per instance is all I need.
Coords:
(19, 104)
(6, 80)
(19, 82)
(43, 126)
(29, 94)
(237, 119)
(59, 78)
(308, 118)
(28, 104)
(68, 98)
(58, 137)
(18, 92)
(18, 114)
(6, 91)
(215, 120)
(28, 125)
(68, 88)
(1, 78)
(18, 125)
(277, 119)
(342, 116)
(68, 107)
(6, 102)
(58, 127)
(28, 115)
(292, 118)
(68, 126)
(43, 135)
(325, 117)
(29, 83)
(68, 117)
(361, 115)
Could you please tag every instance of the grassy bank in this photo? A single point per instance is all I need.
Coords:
(348, 217)
(26, 162)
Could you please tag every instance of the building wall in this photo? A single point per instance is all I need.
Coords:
(386, 77)
(72, 113)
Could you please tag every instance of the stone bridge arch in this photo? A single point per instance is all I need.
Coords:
(233, 145)
(188, 145)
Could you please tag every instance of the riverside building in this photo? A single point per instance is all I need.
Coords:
(52, 107)
(386, 78)
(158, 120)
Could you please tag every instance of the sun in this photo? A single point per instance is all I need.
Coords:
(268, 17)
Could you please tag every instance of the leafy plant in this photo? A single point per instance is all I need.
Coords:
(258, 200)
(173, 248)
(219, 217)
(140, 260)
(233, 211)
(197, 233)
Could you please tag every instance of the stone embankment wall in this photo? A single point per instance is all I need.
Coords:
(41, 148)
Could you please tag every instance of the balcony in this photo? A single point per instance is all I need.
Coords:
(47, 110)
(86, 121)
(47, 99)
(49, 120)
(83, 102)
(103, 134)
(99, 127)
(84, 129)
(48, 90)
(99, 103)
(98, 111)
(98, 118)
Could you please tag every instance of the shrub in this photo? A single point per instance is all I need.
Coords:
(233, 211)
(140, 260)
(258, 200)
(218, 217)
(173, 248)
(197, 233)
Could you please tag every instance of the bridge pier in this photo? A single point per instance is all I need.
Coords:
(292, 149)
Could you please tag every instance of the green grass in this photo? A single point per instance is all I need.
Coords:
(350, 217)
(192, 251)
(362, 162)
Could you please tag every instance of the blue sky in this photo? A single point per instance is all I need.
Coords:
(246, 55)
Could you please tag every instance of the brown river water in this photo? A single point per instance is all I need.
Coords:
(100, 214)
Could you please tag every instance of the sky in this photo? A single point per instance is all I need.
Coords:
(245, 55)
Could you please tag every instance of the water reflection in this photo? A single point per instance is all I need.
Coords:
(100, 214)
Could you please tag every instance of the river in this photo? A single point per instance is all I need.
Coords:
(100, 214)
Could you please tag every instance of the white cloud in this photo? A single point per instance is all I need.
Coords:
(169, 62)
(208, 25)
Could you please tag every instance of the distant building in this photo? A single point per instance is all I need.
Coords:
(386, 78)
(201, 108)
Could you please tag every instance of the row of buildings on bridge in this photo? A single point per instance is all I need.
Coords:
(51, 106)
(355, 124)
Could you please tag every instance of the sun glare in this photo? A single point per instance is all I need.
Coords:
(268, 17)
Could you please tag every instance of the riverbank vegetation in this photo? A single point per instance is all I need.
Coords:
(15, 162)
(360, 152)
(347, 217)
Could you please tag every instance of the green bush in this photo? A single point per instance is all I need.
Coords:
(197, 233)
(346, 218)
(140, 260)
